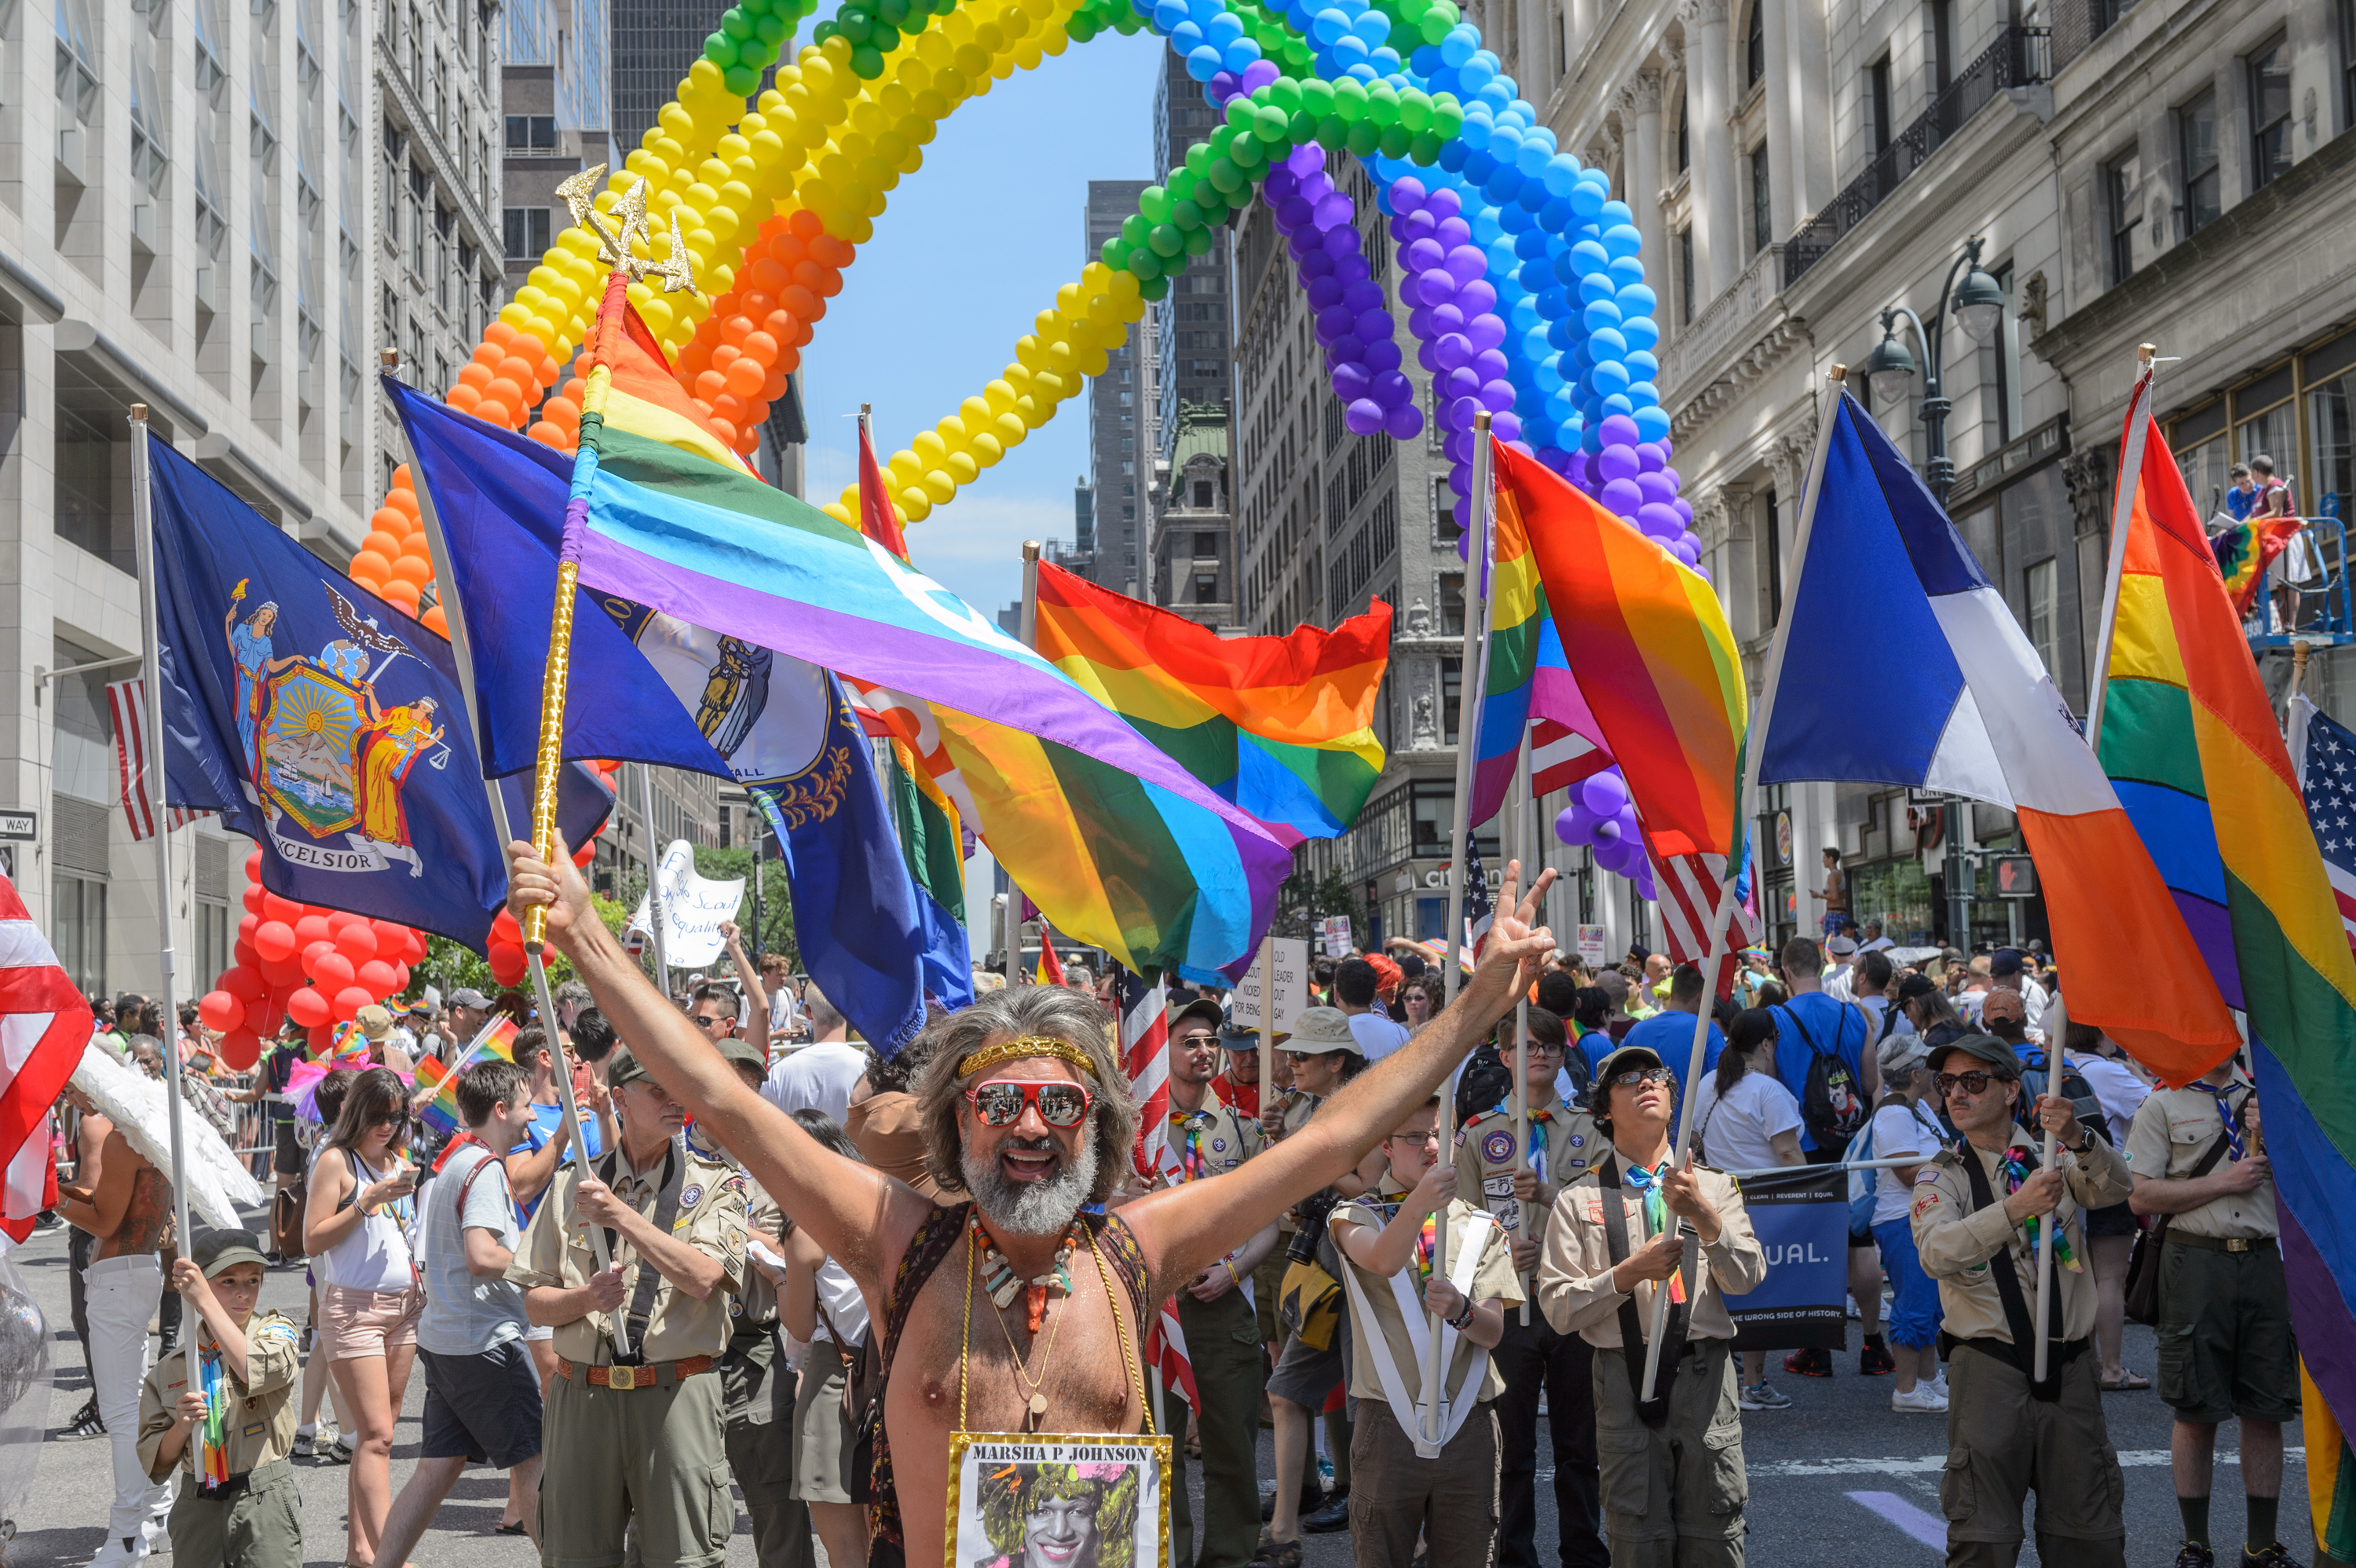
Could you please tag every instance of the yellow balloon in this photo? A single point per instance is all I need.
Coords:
(976, 413)
(1035, 411)
(929, 448)
(987, 449)
(915, 505)
(940, 487)
(838, 512)
(962, 468)
(1009, 427)
(1094, 362)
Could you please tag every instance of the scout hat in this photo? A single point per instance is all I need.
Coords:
(1320, 1030)
(736, 1048)
(374, 1021)
(1205, 1008)
(1625, 1057)
(1995, 1054)
(623, 1067)
(217, 1250)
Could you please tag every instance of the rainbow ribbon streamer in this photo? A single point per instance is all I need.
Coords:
(212, 1447)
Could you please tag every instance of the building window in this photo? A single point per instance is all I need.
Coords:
(1685, 134)
(78, 56)
(1686, 273)
(2119, 183)
(1202, 496)
(2347, 63)
(2040, 582)
(1771, 538)
(1206, 588)
(213, 947)
(527, 233)
(2196, 129)
(2270, 111)
(1451, 608)
(1451, 702)
(78, 929)
(1877, 87)
(1755, 45)
(84, 487)
(1762, 219)
(1943, 45)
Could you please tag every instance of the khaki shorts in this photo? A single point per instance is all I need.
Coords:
(2225, 1336)
(824, 1444)
(355, 1323)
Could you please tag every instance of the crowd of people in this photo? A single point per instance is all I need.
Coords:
(748, 1270)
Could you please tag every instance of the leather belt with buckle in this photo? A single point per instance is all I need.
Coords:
(2221, 1244)
(627, 1378)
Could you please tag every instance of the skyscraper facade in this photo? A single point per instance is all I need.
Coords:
(1121, 409)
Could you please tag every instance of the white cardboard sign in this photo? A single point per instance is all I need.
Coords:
(1290, 956)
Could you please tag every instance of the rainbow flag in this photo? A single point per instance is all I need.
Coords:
(2244, 551)
(2189, 738)
(1281, 726)
(1517, 613)
(436, 1100)
(1647, 642)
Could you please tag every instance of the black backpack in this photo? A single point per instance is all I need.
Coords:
(1486, 1083)
(1833, 1104)
(2074, 1089)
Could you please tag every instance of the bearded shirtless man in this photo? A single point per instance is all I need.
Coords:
(1029, 1178)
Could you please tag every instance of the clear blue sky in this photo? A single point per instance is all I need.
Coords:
(972, 246)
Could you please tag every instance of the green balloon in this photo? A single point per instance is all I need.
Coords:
(1166, 241)
(1133, 229)
(1317, 97)
(1447, 117)
(884, 37)
(1240, 112)
(1198, 241)
(866, 63)
(1331, 133)
(1415, 111)
(1187, 215)
(1350, 100)
(1271, 124)
(1250, 155)
(1198, 159)
(1154, 288)
(1424, 150)
(1364, 138)
(735, 23)
(1114, 253)
(1284, 93)
(773, 31)
(1224, 177)
(720, 49)
(1154, 203)
(1144, 263)
(742, 80)
(1395, 140)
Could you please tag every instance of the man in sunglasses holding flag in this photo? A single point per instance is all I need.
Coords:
(1978, 1207)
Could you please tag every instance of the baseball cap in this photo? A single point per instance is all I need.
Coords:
(466, 998)
(1204, 1007)
(1982, 1048)
(737, 1049)
(1900, 1053)
(1242, 1037)
(1915, 985)
(217, 1250)
(1841, 946)
(2003, 962)
(1623, 1058)
(374, 1021)
(623, 1066)
(1321, 1029)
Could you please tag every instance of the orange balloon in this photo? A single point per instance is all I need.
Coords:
(471, 374)
(804, 303)
(575, 390)
(416, 548)
(402, 591)
(756, 303)
(695, 359)
(723, 429)
(413, 568)
(806, 224)
(516, 368)
(551, 434)
(732, 331)
(403, 500)
(801, 336)
(744, 378)
(383, 542)
(828, 250)
(789, 360)
(435, 622)
(370, 564)
(748, 439)
(384, 519)
(562, 411)
(506, 391)
(760, 345)
(465, 399)
(767, 275)
(499, 332)
(773, 386)
(488, 354)
(729, 407)
(710, 384)
(490, 411)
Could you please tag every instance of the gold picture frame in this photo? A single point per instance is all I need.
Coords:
(982, 1504)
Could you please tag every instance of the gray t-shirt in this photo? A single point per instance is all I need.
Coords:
(465, 1316)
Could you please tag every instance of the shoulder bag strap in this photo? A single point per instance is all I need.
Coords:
(1810, 1039)
(665, 1215)
(2008, 1288)
(1653, 1412)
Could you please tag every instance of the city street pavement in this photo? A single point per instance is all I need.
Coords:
(1837, 1480)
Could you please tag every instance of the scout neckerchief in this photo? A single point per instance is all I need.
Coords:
(1464, 1260)
(2007, 1289)
(1653, 1412)
(1183, 1145)
(664, 1219)
(2227, 1112)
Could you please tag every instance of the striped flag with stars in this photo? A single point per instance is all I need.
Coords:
(2324, 755)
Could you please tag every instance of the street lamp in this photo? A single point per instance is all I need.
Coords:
(1978, 304)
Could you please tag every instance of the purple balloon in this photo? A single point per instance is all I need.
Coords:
(1648, 456)
(1656, 488)
(1364, 417)
(1335, 320)
(1352, 266)
(1293, 211)
(1363, 296)
(1406, 194)
(1603, 794)
(1316, 186)
(1351, 381)
(1259, 74)
(1689, 537)
(1445, 319)
(1374, 326)
(1476, 297)
(1491, 364)
(1506, 427)
(1333, 209)
(1619, 430)
(1607, 831)
(1466, 262)
(1461, 382)
(1424, 256)
(1568, 827)
(1405, 421)
(1453, 230)
(1457, 415)
(1673, 476)
(1280, 187)
(1485, 331)
(1349, 346)
(1497, 397)
(1658, 521)
(1458, 447)
(1324, 293)
(1435, 285)
(1452, 349)
(1616, 462)
(1423, 356)
(1306, 158)
(1444, 204)
(1620, 497)
(1686, 552)
(1383, 355)
(1685, 509)
(1342, 242)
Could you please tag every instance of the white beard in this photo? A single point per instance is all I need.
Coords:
(1032, 1208)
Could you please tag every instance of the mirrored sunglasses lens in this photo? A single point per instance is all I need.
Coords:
(1062, 1106)
(999, 1104)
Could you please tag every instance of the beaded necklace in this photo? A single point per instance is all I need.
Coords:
(1001, 1284)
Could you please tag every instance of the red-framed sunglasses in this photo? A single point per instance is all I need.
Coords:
(999, 1101)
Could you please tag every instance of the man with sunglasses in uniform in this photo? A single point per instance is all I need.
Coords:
(1673, 1482)
(1978, 1207)
(1206, 1137)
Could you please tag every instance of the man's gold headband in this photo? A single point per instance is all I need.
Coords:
(1026, 1047)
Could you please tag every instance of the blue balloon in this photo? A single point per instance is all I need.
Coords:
(1458, 47)
(1167, 13)
(1653, 422)
(1622, 240)
(1329, 25)
(1242, 55)
(1204, 63)
(1186, 38)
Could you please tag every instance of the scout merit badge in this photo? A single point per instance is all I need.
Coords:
(1033, 1499)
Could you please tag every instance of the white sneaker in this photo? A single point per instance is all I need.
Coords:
(1923, 1398)
(1939, 1383)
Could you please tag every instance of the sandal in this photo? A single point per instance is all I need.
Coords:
(518, 1528)
(1275, 1553)
(2127, 1381)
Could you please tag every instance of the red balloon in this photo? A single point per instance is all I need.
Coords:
(357, 943)
(392, 939)
(338, 919)
(349, 1001)
(333, 971)
(320, 1036)
(241, 1049)
(283, 971)
(244, 983)
(253, 867)
(287, 911)
(254, 891)
(313, 928)
(221, 1011)
(313, 953)
(504, 928)
(241, 952)
(379, 978)
(586, 853)
(247, 926)
(307, 1006)
(264, 1019)
(507, 963)
(275, 940)
(401, 978)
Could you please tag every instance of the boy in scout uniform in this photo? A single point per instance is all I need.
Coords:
(231, 1425)
(757, 1393)
(1532, 1358)
(2225, 1345)
(1206, 1137)
(637, 1432)
(1673, 1480)
(1406, 1484)
(1973, 1213)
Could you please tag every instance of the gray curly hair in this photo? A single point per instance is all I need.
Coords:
(1066, 1014)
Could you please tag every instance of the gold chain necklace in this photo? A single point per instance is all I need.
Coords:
(1037, 1402)
(1120, 1326)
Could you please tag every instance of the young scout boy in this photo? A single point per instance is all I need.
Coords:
(232, 1423)
(1406, 1485)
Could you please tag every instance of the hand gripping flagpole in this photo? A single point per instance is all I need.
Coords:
(463, 655)
(1472, 686)
(157, 785)
(1746, 787)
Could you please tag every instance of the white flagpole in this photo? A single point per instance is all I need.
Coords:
(158, 789)
(1471, 687)
(463, 655)
(654, 879)
(1521, 809)
(1754, 745)
(1027, 629)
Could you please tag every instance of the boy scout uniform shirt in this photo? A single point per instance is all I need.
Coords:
(1563, 1143)
(261, 1424)
(1493, 1280)
(756, 1304)
(2172, 1131)
(714, 1199)
(1220, 1135)
(1955, 1242)
(1575, 1266)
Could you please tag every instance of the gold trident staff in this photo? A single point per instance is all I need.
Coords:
(676, 271)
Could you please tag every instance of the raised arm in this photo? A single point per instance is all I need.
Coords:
(1181, 1229)
(851, 1209)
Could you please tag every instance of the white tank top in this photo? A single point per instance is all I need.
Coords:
(374, 1254)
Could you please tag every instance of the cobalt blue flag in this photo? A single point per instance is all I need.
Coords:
(317, 719)
(648, 687)
(1801, 1222)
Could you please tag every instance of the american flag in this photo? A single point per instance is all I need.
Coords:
(2325, 756)
(1689, 887)
(126, 701)
(45, 1024)
(1560, 756)
(1145, 1057)
(1478, 914)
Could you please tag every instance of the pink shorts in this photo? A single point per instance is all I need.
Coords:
(355, 1323)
